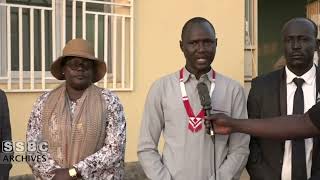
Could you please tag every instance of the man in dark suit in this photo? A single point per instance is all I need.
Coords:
(5, 133)
(290, 90)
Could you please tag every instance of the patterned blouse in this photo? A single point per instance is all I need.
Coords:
(107, 163)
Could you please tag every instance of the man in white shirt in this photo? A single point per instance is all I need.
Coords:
(290, 90)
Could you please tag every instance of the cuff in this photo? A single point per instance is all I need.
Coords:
(80, 167)
(314, 115)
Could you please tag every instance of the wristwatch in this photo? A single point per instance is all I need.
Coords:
(73, 173)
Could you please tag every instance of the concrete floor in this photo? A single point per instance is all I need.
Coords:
(244, 176)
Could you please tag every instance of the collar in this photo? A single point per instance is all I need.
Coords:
(187, 75)
(308, 77)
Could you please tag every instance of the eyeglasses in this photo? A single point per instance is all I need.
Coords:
(75, 64)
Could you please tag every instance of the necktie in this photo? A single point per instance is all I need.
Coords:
(299, 170)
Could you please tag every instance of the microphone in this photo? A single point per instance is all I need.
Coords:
(206, 104)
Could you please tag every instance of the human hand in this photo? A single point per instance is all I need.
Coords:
(222, 123)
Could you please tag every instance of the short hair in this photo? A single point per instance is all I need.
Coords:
(315, 26)
(194, 21)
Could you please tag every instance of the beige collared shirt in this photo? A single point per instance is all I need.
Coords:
(187, 155)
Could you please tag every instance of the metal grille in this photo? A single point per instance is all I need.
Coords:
(33, 35)
(250, 51)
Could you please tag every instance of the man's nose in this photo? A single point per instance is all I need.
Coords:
(80, 67)
(201, 47)
(296, 44)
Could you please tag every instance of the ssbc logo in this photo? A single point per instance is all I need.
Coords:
(21, 151)
(20, 146)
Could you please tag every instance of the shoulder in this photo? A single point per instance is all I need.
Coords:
(109, 95)
(44, 96)
(42, 99)
(164, 81)
(228, 88)
(110, 98)
(113, 106)
(2, 94)
(173, 77)
(268, 78)
(224, 81)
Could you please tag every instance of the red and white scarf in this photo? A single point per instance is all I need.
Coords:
(195, 123)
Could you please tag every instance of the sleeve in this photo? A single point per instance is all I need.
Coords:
(42, 168)
(314, 115)
(256, 167)
(5, 131)
(110, 158)
(150, 131)
(315, 174)
(238, 150)
(314, 177)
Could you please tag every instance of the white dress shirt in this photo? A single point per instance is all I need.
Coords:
(309, 94)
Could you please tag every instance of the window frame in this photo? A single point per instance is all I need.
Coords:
(111, 81)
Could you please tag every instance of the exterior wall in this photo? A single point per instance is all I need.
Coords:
(157, 33)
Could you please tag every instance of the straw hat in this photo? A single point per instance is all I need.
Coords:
(79, 48)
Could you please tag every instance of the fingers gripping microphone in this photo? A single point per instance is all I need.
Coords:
(206, 104)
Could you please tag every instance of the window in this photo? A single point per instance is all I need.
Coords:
(35, 31)
(29, 15)
(250, 42)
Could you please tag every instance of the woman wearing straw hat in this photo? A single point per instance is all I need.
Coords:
(83, 124)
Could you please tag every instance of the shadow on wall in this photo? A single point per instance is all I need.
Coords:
(133, 171)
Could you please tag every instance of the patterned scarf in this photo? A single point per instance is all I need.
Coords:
(73, 139)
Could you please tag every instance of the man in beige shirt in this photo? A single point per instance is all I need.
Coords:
(173, 108)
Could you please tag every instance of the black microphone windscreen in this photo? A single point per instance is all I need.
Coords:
(204, 94)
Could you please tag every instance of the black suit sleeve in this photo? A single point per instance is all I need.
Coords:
(314, 114)
(316, 174)
(315, 170)
(5, 131)
(256, 166)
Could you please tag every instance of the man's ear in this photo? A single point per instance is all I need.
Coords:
(181, 45)
(216, 42)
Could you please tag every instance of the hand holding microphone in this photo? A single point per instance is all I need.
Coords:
(206, 104)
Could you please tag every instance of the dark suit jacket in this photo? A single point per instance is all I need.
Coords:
(268, 98)
(5, 132)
